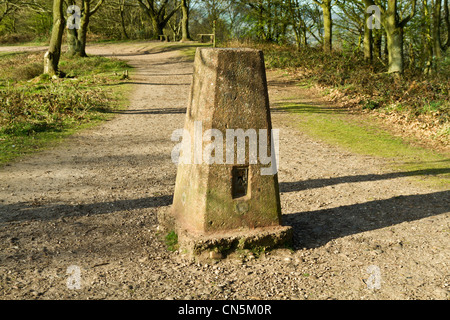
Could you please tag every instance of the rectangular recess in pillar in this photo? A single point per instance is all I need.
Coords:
(239, 182)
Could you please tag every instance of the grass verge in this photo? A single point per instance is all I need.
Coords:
(36, 112)
(415, 102)
(360, 135)
(171, 240)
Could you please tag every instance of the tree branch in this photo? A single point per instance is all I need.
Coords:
(99, 3)
(150, 11)
(171, 14)
(411, 15)
(447, 23)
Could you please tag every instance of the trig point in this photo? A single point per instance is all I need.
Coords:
(226, 191)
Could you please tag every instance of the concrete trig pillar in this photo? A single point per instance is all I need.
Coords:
(226, 192)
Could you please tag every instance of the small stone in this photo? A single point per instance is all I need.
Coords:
(127, 287)
(215, 255)
(220, 288)
(35, 293)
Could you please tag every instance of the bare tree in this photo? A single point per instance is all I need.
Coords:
(185, 36)
(159, 13)
(73, 44)
(122, 18)
(51, 58)
(87, 12)
(327, 24)
(76, 38)
(394, 26)
(8, 7)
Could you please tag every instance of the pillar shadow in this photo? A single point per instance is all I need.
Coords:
(24, 211)
(152, 111)
(316, 228)
(307, 107)
(319, 183)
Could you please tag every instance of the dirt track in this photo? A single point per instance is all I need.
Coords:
(92, 203)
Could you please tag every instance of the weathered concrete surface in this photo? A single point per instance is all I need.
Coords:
(229, 91)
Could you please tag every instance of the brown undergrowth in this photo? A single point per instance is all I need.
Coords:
(414, 105)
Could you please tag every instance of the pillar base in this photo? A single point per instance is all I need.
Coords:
(220, 244)
(223, 243)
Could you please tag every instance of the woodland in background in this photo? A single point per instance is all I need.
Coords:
(413, 34)
(401, 66)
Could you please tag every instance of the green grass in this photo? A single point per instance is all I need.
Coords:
(20, 66)
(171, 240)
(36, 112)
(93, 66)
(364, 137)
(367, 85)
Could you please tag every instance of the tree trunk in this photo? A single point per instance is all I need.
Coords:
(157, 28)
(82, 33)
(428, 38)
(72, 37)
(447, 24)
(368, 33)
(368, 41)
(394, 34)
(305, 38)
(73, 45)
(51, 58)
(84, 23)
(185, 36)
(122, 19)
(328, 26)
(436, 36)
(385, 48)
(377, 43)
(395, 49)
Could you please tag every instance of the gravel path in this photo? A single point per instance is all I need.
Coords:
(92, 201)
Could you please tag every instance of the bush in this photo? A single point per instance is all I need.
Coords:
(31, 109)
(366, 83)
(21, 66)
(15, 38)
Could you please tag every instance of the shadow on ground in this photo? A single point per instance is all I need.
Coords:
(23, 211)
(315, 228)
(307, 107)
(311, 228)
(153, 111)
(320, 183)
